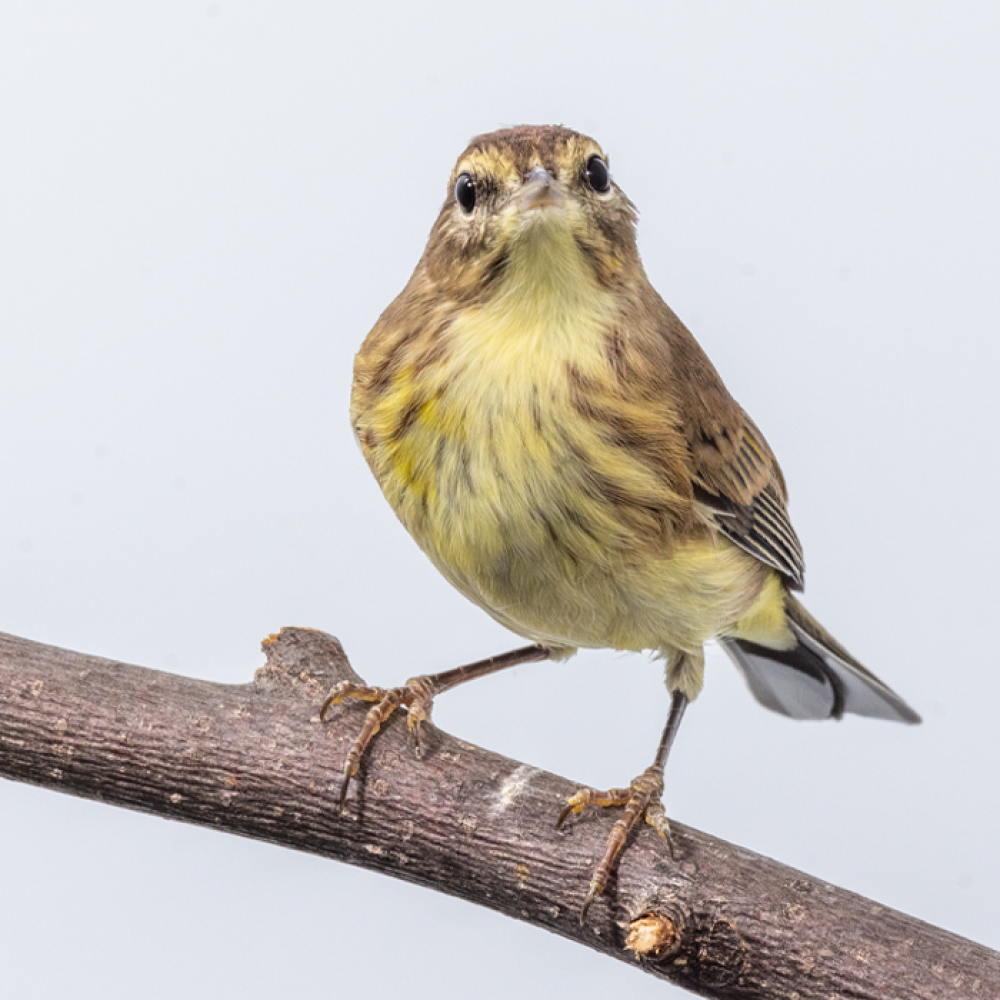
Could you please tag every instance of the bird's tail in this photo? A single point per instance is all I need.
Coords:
(817, 678)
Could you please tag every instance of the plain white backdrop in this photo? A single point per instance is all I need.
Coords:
(203, 209)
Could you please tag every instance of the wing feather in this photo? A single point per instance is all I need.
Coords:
(745, 498)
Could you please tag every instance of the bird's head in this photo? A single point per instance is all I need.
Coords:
(531, 205)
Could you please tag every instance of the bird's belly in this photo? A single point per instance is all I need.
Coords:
(507, 505)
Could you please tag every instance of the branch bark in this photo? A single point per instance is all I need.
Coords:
(254, 759)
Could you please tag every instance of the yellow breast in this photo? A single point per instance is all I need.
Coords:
(522, 502)
(490, 407)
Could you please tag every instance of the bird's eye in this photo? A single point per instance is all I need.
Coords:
(597, 175)
(465, 192)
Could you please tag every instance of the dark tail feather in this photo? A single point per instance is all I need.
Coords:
(817, 678)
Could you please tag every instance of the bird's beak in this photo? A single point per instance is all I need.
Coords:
(539, 190)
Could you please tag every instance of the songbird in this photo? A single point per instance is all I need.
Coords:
(558, 444)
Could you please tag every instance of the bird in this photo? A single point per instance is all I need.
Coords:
(557, 442)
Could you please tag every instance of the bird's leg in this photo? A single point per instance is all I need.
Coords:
(641, 798)
(417, 697)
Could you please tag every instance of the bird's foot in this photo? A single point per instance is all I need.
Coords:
(641, 798)
(416, 696)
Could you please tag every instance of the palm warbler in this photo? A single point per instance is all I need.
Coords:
(559, 445)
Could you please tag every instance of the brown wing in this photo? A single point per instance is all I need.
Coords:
(734, 474)
(760, 525)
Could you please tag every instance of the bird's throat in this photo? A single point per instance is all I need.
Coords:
(548, 279)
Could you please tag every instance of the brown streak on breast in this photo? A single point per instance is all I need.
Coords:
(465, 464)
(614, 351)
(376, 375)
(536, 410)
(578, 381)
(557, 541)
(596, 260)
(574, 517)
(407, 417)
(432, 352)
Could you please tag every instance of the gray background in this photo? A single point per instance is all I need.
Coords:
(203, 209)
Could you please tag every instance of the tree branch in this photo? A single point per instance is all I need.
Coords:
(255, 760)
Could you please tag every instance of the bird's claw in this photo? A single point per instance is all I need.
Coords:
(416, 696)
(641, 798)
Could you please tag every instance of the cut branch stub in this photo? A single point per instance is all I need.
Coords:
(307, 660)
(654, 936)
